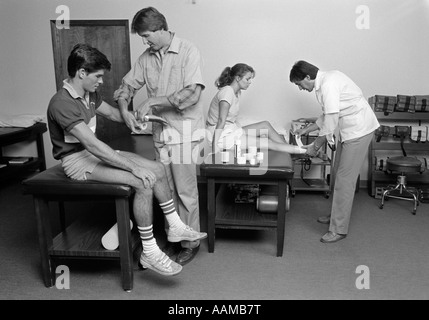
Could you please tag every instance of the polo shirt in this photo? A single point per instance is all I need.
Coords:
(66, 109)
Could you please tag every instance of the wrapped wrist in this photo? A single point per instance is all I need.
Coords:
(299, 150)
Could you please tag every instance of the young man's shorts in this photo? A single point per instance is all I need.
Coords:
(78, 164)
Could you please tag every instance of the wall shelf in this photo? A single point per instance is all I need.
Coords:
(392, 146)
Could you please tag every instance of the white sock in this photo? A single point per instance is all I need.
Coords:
(150, 247)
(173, 219)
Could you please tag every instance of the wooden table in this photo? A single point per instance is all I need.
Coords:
(277, 169)
(12, 135)
(82, 238)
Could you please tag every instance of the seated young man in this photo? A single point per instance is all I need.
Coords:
(72, 120)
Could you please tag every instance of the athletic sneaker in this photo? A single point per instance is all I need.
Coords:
(185, 234)
(161, 263)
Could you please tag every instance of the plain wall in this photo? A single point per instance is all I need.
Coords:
(388, 58)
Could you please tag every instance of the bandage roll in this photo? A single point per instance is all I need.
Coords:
(248, 156)
(110, 240)
(224, 156)
(241, 160)
(253, 150)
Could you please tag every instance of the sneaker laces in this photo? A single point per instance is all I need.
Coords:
(188, 228)
(164, 260)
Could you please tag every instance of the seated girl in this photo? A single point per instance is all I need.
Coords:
(222, 126)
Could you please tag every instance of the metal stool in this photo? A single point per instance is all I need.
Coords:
(400, 191)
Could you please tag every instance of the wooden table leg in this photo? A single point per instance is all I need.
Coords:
(41, 152)
(45, 239)
(62, 214)
(211, 213)
(281, 216)
(124, 235)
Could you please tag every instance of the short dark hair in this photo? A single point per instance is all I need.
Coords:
(148, 19)
(86, 57)
(301, 69)
(228, 74)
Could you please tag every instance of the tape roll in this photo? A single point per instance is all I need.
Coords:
(252, 150)
(224, 156)
(241, 160)
(248, 156)
(142, 126)
(110, 240)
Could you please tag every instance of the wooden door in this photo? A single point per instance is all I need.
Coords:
(110, 37)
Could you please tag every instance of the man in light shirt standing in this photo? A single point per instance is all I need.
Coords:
(170, 69)
(343, 107)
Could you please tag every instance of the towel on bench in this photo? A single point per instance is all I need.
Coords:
(22, 120)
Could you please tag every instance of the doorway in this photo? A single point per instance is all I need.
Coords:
(112, 38)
